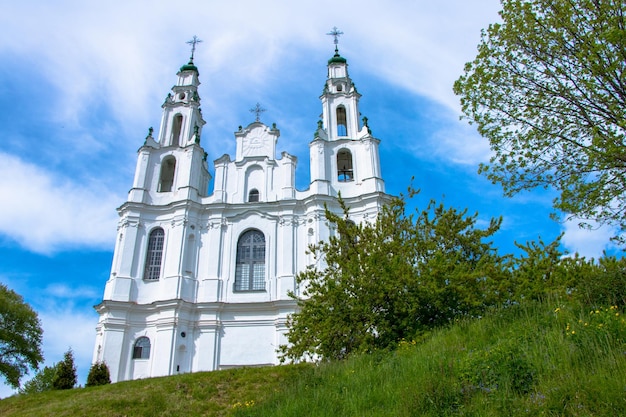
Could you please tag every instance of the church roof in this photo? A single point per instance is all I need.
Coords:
(337, 58)
(189, 66)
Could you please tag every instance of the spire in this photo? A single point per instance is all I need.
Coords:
(190, 66)
(336, 33)
(182, 119)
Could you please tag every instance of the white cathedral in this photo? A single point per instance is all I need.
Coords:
(201, 281)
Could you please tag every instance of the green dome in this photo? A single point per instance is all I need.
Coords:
(189, 67)
(337, 59)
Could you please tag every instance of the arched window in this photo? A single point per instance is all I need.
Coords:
(250, 267)
(176, 129)
(345, 171)
(154, 254)
(342, 124)
(168, 168)
(141, 350)
(253, 196)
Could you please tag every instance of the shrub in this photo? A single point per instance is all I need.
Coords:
(42, 381)
(66, 372)
(98, 375)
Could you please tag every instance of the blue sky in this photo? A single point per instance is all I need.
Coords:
(81, 83)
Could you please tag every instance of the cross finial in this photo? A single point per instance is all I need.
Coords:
(335, 33)
(193, 42)
(257, 110)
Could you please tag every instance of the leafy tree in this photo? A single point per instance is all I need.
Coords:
(548, 89)
(603, 283)
(98, 375)
(66, 372)
(42, 381)
(20, 337)
(373, 285)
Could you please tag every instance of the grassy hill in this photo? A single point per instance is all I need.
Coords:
(550, 359)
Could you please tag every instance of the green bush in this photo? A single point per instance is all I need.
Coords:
(604, 284)
(42, 381)
(98, 375)
(66, 372)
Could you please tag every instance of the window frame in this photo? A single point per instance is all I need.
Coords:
(254, 196)
(140, 350)
(250, 262)
(154, 255)
(341, 115)
(345, 173)
(167, 174)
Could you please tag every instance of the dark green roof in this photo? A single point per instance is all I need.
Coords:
(189, 67)
(337, 58)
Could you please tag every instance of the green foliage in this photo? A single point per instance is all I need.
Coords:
(601, 325)
(603, 283)
(547, 88)
(42, 381)
(65, 372)
(375, 284)
(20, 337)
(501, 366)
(98, 375)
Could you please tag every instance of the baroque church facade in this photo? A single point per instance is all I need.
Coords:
(201, 281)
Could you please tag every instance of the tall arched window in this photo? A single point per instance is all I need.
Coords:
(253, 196)
(342, 124)
(176, 129)
(250, 267)
(141, 349)
(154, 254)
(345, 171)
(168, 169)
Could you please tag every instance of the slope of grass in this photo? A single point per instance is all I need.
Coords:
(198, 394)
(539, 359)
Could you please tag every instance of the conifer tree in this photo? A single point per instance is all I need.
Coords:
(66, 372)
(98, 375)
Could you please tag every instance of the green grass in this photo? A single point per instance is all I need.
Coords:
(549, 359)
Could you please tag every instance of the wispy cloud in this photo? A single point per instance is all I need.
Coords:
(588, 242)
(44, 212)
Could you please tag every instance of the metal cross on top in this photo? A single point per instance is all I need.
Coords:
(335, 33)
(193, 42)
(257, 110)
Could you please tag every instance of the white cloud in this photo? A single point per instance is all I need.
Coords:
(68, 292)
(45, 212)
(589, 243)
(70, 328)
(124, 55)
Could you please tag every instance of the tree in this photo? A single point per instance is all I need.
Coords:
(20, 337)
(373, 285)
(98, 375)
(42, 381)
(66, 372)
(548, 89)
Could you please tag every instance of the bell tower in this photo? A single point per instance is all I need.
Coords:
(172, 166)
(182, 119)
(340, 100)
(344, 154)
